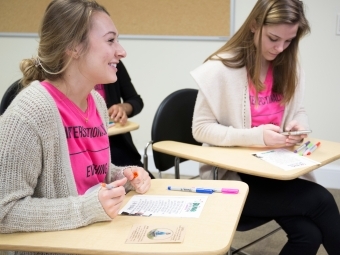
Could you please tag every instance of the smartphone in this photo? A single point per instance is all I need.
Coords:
(298, 132)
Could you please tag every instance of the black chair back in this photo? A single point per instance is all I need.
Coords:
(9, 95)
(173, 121)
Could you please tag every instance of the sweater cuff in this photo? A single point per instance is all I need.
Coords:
(93, 209)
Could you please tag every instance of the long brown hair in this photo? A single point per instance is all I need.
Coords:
(66, 24)
(241, 45)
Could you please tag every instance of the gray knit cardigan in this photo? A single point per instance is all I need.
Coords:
(38, 191)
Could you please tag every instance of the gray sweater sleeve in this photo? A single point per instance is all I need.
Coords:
(37, 191)
(32, 197)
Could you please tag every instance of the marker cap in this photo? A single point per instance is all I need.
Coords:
(229, 191)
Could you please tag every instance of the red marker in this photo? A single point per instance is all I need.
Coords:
(313, 148)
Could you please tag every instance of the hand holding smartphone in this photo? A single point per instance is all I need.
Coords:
(297, 132)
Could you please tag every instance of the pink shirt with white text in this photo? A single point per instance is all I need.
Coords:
(268, 109)
(87, 141)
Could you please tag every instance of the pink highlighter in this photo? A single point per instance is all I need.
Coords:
(226, 191)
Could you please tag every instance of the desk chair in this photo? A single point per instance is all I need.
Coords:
(172, 121)
(9, 95)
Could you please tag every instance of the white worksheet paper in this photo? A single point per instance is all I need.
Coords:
(285, 159)
(165, 206)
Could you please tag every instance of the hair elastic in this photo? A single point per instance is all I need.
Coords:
(39, 64)
(36, 62)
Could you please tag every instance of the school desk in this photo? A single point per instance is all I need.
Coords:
(209, 234)
(240, 159)
(117, 128)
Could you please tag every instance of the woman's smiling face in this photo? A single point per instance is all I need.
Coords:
(99, 63)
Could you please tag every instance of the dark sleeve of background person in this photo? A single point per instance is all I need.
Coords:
(123, 150)
(123, 91)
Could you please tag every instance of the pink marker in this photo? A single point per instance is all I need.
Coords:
(226, 191)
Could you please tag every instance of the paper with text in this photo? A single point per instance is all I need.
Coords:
(285, 159)
(164, 206)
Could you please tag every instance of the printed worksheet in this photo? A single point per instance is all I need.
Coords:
(285, 159)
(164, 206)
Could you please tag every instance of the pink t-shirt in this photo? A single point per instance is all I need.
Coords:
(87, 141)
(100, 89)
(268, 109)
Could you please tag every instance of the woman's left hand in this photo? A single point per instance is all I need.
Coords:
(294, 139)
(139, 178)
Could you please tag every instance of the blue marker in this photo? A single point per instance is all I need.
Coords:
(111, 123)
(193, 189)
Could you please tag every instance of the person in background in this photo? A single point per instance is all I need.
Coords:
(122, 102)
(54, 151)
(250, 90)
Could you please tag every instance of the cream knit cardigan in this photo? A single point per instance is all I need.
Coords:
(38, 191)
(222, 111)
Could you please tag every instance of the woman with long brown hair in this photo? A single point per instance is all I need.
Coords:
(250, 90)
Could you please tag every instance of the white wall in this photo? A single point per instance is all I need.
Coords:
(159, 67)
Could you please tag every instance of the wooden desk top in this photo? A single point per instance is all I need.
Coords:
(119, 129)
(211, 233)
(240, 159)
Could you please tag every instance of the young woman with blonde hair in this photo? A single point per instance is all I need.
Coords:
(54, 145)
(250, 90)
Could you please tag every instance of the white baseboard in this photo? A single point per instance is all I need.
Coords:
(328, 175)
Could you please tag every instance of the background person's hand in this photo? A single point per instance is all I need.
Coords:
(111, 199)
(142, 182)
(117, 114)
(272, 136)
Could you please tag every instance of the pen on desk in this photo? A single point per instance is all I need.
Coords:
(302, 147)
(302, 151)
(313, 148)
(226, 190)
(193, 189)
(108, 186)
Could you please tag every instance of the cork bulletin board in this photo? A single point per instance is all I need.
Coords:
(133, 17)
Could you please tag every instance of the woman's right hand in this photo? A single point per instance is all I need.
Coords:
(111, 199)
(118, 114)
(272, 136)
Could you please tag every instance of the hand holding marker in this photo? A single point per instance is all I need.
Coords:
(109, 186)
(135, 175)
